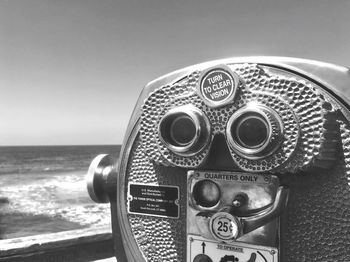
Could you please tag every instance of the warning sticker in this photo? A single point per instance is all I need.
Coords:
(201, 248)
(218, 86)
(153, 200)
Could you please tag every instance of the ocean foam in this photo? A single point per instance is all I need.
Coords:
(60, 195)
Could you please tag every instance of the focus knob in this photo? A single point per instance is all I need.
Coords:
(101, 178)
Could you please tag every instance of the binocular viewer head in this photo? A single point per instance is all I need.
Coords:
(244, 159)
(253, 131)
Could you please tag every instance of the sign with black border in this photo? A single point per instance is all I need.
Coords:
(153, 200)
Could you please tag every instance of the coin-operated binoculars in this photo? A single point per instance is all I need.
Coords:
(244, 159)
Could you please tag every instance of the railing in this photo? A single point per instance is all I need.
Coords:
(76, 245)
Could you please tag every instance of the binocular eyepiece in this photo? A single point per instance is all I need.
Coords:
(185, 130)
(254, 131)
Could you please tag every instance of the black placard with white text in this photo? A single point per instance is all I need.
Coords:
(153, 200)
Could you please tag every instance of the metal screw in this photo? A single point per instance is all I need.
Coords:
(236, 203)
(239, 200)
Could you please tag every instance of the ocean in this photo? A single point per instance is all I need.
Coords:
(43, 190)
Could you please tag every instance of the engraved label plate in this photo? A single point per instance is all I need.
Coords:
(153, 200)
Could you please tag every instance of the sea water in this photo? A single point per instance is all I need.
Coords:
(43, 190)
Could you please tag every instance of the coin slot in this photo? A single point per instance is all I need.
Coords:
(206, 193)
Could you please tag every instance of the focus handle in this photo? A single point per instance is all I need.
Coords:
(101, 178)
(225, 226)
(254, 222)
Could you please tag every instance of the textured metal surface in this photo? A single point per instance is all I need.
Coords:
(302, 108)
(316, 225)
(260, 195)
(160, 239)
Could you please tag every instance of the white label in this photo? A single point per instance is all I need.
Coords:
(237, 252)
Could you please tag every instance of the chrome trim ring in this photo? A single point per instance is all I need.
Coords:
(202, 130)
(273, 125)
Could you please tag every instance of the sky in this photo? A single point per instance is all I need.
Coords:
(71, 70)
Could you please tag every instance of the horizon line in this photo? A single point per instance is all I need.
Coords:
(61, 145)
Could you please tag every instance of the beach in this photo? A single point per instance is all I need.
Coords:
(43, 190)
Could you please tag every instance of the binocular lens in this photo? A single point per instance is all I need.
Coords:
(184, 130)
(254, 131)
(206, 193)
(250, 131)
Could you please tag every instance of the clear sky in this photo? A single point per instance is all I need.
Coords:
(71, 70)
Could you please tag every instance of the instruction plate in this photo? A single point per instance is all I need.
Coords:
(198, 247)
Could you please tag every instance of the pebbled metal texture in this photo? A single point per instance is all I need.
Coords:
(316, 224)
(303, 109)
(315, 227)
(160, 239)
